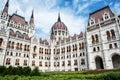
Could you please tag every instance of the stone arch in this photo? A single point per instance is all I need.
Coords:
(99, 62)
(116, 60)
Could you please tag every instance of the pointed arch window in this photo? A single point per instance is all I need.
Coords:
(94, 49)
(108, 35)
(82, 61)
(97, 40)
(17, 62)
(79, 46)
(12, 44)
(93, 39)
(8, 61)
(21, 46)
(113, 34)
(34, 49)
(110, 46)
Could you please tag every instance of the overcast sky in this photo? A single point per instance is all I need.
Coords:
(74, 13)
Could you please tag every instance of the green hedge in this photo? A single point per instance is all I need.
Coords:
(26, 71)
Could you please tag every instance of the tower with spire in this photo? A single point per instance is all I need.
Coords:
(31, 24)
(5, 10)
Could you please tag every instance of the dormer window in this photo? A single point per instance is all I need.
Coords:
(106, 16)
(92, 21)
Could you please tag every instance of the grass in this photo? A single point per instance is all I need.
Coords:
(113, 74)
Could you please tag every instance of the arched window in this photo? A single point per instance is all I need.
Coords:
(25, 47)
(108, 35)
(33, 63)
(113, 34)
(82, 45)
(34, 50)
(75, 62)
(17, 46)
(94, 49)
(21, 46)
(17, 62)
(12, 45)
(83, 54)
(110, 46)
(98, 48)
(96, 36)
(28, 48)
(75, 46)
(115, 44)
(92, 21)
(106, 16)
(1, 40)
(82, 61)
(25, 63)
(8, 61)
(69, 48)
(79, 46)
(93, 39)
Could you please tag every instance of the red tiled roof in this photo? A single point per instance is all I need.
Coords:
(98, 15)
(18, 19)
(59, 25)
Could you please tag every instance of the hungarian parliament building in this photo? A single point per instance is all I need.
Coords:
(98, 47)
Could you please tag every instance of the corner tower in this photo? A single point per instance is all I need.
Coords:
(59, 30)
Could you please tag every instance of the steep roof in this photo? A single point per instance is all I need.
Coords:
(18, 19)
(98, 14)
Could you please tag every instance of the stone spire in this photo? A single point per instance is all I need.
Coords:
(5, 10)
(59, 20)
(32, 18)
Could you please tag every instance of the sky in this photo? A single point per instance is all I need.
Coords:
(74, 13)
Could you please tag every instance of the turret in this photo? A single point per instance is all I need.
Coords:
(31, 23)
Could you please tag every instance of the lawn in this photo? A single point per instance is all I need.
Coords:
(80, 75)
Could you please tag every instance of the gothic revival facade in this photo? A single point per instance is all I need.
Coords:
(97, 48)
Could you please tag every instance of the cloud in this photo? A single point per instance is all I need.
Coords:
(117, 8)
(46, 13)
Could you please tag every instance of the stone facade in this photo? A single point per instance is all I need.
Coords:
(97, 48)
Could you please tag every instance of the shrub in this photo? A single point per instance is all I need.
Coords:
(35, 72)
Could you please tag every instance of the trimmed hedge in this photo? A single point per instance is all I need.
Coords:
(26, 71)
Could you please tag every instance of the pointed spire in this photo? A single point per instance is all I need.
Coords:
(59, 20)
(32, 18)
(7, 4)
(5, 10)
